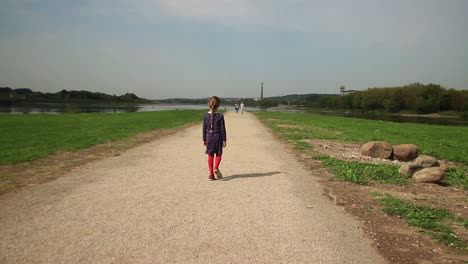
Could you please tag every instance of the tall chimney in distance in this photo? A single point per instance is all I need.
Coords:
(261, 93)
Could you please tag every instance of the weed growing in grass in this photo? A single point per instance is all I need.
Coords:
(362, 173)
(301, 145)
(457, 176)
(430, 220)
(343, 170)
(463, 221)
(375, 194)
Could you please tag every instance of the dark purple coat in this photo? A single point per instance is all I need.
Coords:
(214, 141)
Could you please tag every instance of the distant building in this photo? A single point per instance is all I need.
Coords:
(343, 91)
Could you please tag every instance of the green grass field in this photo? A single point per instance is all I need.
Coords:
(28, 137)
(443, 142)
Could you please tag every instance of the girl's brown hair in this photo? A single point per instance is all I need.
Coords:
(213, 103)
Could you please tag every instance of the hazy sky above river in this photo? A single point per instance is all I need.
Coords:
(198, 48)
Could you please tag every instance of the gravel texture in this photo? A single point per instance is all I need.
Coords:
(154, 204)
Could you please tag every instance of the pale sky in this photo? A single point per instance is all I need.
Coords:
(199, 48)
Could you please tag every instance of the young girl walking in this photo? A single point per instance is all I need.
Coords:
(214, 137)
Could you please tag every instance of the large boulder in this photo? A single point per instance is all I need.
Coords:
(410, 168)
(430, 175)
(418, 164)
(405, 152)
(377, 149)
(426, 161)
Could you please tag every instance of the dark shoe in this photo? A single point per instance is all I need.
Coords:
(219, 175)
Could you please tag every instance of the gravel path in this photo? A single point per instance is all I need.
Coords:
(154, 204)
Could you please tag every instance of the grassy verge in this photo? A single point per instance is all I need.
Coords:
(432, 221)
(443, 142)
(29, 137)
(457, 176)
(363, 173)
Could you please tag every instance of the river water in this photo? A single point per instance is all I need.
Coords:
(54, 108)
(445, 121)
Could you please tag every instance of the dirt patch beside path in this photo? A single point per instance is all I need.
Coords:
(345, 151)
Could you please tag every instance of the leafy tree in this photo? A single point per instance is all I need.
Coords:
(357, 100)
(416, 97)
(372, 100)
(458, 100)
(426, 105)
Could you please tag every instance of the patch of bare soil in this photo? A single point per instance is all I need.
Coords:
(38, 171)
(394, 238)
(345, 151)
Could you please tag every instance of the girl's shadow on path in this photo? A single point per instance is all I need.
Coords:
(249, 175)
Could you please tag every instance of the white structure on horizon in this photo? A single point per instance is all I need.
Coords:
(343, 91)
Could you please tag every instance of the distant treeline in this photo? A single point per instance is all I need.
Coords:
(421, 98)
(182, 101)
(27, 95)
(310, 100)
(307, 100)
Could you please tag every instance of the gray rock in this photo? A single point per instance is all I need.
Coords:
(405, 152)
(429, 175)
(377, 149)
(410, 168)
(426, 161)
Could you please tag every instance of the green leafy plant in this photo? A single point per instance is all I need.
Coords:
(363, 173)
(457, 176)
(432, 221)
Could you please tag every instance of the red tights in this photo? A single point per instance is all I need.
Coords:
(217, 161)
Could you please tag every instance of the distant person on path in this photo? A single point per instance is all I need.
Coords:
(236, 106)
(214, 137)
(242, 107)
